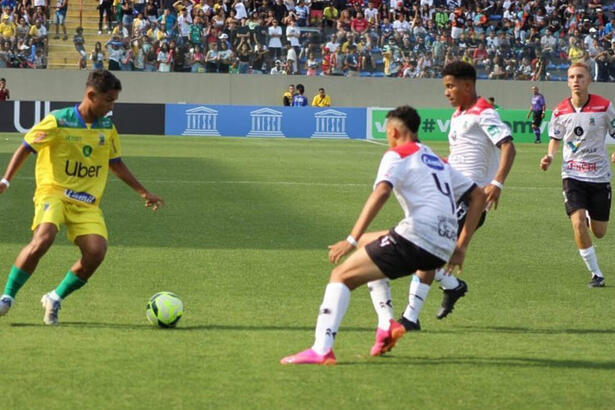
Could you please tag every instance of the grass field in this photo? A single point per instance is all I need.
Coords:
(243, 240)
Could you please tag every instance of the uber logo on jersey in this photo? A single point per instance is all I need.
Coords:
(432, 162)
(578, 131)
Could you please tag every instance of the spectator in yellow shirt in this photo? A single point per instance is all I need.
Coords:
(321, 99)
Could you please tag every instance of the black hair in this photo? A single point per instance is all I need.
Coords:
(460, 70)
(321, 89)
(300, 88)
(103, 81)
(408, 116)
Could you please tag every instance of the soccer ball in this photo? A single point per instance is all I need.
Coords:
(164, 309)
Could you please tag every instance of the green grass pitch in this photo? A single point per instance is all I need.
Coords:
(243, 240)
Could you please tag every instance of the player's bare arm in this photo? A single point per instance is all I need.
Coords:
(19, 157)
(546, 161)
(507, 157)
(371, 208)
(122, 172)
(478, 199)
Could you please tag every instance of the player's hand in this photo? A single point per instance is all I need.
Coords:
(153, 201)
(547, 159)
(456, 261)
(612, 159)
(493, 196)
(338, 250)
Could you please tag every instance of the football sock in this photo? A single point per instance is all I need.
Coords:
(537, 133)
(446, 281)
(69, 284)
(17, 278)
(591, 261)
(332, 310)
(416, 297)
(380, 292)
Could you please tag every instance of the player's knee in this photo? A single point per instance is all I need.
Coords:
(341, 275)
(40, 244)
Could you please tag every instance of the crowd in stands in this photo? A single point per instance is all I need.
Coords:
(504, 39)
(23, 33)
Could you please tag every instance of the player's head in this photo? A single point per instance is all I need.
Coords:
(579, 78)
(102, 89)
(321, 92)
(291, 88)
(491, 100)
(2, 81)
(300, 88)
(535, 90)
(402, 125)
(459, 81)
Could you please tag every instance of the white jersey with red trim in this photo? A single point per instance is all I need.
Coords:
(584, 132)
(473, 139)
(427, 189)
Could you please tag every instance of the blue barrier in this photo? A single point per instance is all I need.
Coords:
(265, 121)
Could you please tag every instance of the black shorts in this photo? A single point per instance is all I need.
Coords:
(462, 213)
(592, 196)
(397, 256)
(536, 118)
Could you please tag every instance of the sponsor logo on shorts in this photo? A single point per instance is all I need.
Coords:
(80, 196)
(432, 162)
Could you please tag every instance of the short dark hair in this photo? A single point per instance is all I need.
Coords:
(321, 89)
(103, 81)
(460, 70)
(408, 116)
(3, 79)
(300, 88)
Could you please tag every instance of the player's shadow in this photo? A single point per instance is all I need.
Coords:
(525, 330)
(475, 361)
(188, 328)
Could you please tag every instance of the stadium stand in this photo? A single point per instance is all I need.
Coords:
(504, 39)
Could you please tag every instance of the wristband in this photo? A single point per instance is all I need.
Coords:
(5, 182)
(352, 241)
(498, 184)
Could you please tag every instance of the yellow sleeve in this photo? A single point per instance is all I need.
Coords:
(314, 101)
(327, 101)
(41, 134)
(116, 149)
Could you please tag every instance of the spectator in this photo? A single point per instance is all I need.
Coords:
(321, 99)
(115, 53)
(575, 54)
(60, 18)
(97, 57)
(164, 59)
(291, 60)
(38, 35)
(4, 92)
(104, 9)
(351, 65)
(244, 54)
(299, 100)
(277, 68)
(287, 97)
(311, 65)
(226, 57)
(79, 43)
(212, 59)
(275, 39)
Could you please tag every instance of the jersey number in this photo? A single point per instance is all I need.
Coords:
(445, 190)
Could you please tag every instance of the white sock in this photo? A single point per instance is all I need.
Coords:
(332, 310)
(380, 292)
(53, 295)
(446, 281)
(591, 261)
(416, 297)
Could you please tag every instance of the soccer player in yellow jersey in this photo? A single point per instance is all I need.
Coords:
(75, 148)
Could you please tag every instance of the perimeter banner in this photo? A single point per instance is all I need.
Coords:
(264, 121)
(435, 124)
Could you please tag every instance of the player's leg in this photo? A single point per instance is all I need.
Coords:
(578, 201)
(355, 271)
(417, 294)
(26, 262)
(379, 290)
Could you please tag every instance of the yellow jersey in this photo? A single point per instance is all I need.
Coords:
(73, 157)
(319, 101)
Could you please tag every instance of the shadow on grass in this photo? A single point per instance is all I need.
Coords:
(527, 330)
(131, 326)
(486, 362)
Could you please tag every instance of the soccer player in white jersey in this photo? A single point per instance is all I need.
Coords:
(582, 122)
(427, 189)
(481, 148)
